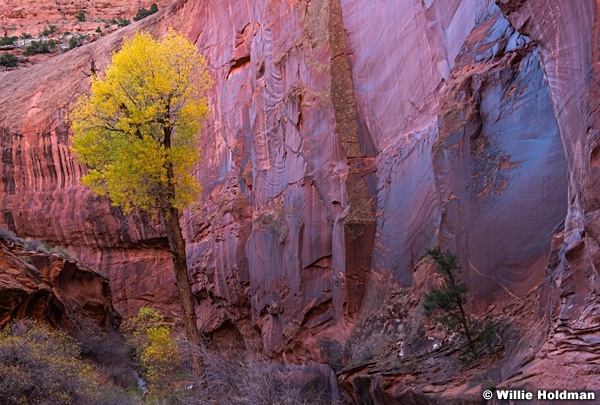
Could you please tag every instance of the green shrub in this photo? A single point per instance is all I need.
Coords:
(8, 60)
(26, 259)
(123, 22)
(49, 30)
(36, 47)
(7, 40)
(99, 30)
(74, 42)
(80, 15)
(25, 35)
(112, 21)
(35, 244)
(66, 33)
(41, 366)
(7, 234)
(143, 13)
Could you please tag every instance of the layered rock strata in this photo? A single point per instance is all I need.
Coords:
(569, 52)
(51, 288)
(31, 16)
(345, 138)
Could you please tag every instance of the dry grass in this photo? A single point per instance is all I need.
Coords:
(253, 380)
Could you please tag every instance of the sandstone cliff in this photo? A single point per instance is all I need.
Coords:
(31, 16)
(345, 138)
(49, 287)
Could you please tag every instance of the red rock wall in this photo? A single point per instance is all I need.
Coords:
(568, 39)
(48, 287)
(41, 195)
(345, 138)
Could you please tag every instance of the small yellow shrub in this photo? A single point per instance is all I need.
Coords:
(161, 359)
(156, 350)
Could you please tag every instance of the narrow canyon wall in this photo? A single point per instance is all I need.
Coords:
(569, 53)
(41, 195)
(468, 151)
(344, 139)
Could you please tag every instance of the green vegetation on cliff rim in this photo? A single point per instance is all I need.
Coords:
(76, 41)
(36, 245)
(8, 60)
(80, 16)
(122, 22)
(36, 47)
(8, 40)
(49, 30)
(143, 13)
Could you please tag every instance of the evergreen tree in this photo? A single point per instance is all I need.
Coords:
(446, 304)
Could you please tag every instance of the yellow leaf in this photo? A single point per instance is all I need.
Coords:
(137, 130)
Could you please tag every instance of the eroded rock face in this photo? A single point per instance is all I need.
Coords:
(54, 289)
(500, 166)
(30, 16)
(345, 138)
(569, 51)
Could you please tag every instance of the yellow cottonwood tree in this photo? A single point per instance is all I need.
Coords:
(137, 133)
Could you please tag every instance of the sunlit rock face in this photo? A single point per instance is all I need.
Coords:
(32, 16)
(344, 139)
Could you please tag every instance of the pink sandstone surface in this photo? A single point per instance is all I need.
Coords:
(345, 138)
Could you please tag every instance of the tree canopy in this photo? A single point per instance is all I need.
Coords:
(137, 130)
(137, 133)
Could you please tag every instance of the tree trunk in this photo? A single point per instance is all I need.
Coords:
(184, 289)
